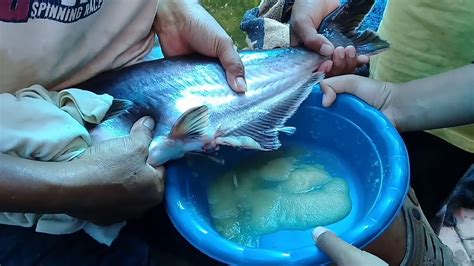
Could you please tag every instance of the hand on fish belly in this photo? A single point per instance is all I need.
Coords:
(116, 174)
(306, 17)
(185, 27)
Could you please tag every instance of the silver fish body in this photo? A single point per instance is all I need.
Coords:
(195, 109)
(277, 82)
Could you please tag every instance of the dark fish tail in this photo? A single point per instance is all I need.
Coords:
(341, 28)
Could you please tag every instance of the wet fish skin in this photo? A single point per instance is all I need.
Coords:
(165, 89)
(196, 110)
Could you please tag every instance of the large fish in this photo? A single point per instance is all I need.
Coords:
(196, 110)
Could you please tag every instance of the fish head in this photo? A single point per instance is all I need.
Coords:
(188, 134)
(163, 149)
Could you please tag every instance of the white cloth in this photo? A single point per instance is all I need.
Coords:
(44, 125)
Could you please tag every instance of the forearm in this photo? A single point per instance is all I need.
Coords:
(34, 186)
(439, 101)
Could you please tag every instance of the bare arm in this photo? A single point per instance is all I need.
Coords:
(439, 101)
(32, 186)
(110, 182)
(443, 100)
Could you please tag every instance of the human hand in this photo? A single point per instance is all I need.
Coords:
(341, 252)
(119, 184)
(306, 17)
(379, 94)
(184, 27)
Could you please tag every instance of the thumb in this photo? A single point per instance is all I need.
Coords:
(337, 249)
(230, 60)
(332, 86)
(341, 252)
(142, 131)
(371, 91)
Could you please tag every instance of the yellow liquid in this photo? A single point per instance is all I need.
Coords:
(279, 192)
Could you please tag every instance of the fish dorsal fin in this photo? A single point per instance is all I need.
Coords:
(264, 129)
(191, 124)
(340, 27)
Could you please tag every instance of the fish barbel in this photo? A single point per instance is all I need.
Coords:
(195, 109)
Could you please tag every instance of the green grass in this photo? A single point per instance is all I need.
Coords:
(229, 13)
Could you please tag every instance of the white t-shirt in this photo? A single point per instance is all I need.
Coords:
(59, 43)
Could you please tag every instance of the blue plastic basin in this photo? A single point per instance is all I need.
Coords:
(351, 139)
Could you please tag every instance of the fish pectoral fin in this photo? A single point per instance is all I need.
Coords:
(262, 132)
(191, 124)
(118, 107)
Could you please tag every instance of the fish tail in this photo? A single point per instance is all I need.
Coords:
(341, 28)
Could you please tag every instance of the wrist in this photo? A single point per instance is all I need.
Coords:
(33, 186)
(69, 176)
(401, 107)
(91, 180)
(170, 15)
(78, 184)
